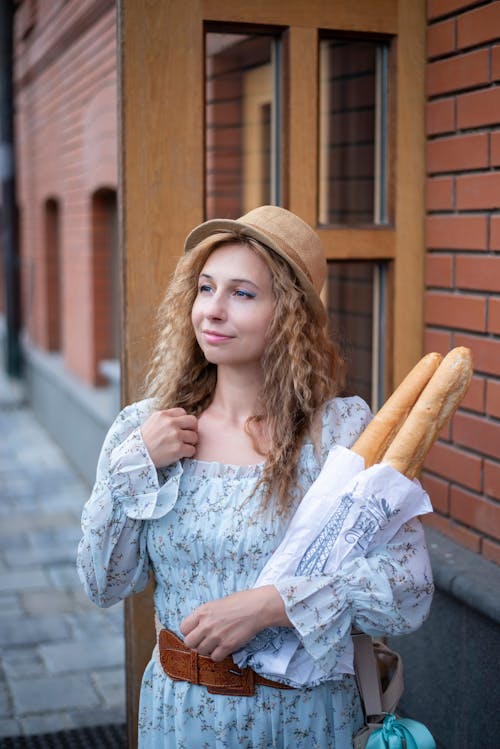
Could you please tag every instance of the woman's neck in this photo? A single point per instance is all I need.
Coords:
(236, 394)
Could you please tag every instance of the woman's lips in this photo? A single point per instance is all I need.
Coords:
(211, 336)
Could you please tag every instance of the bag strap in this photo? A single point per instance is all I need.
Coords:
(365, 667)
(375, 700)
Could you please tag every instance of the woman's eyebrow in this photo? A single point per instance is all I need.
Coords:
(232, 280)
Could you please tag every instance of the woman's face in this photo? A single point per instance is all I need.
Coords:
(234, 306)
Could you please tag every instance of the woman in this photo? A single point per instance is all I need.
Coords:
(198, 483)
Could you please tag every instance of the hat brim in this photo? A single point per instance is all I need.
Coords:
(216, 225)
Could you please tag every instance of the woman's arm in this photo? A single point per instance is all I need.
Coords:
(112, 558)
(388, 592)
(222, 626)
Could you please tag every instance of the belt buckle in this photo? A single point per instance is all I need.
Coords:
(245, 687)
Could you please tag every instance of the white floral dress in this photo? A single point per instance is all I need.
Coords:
(194, 526)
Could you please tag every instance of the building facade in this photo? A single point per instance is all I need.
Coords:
(67, 132)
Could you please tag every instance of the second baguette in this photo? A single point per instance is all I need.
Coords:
(381, 430)
(435, 406)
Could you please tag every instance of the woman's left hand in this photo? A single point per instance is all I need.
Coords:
(219, 628)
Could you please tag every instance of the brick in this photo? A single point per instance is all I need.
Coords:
(441, 38)
(438, 491)
(455, 310)
(457, 73)
(479, 434)
(456, 232)
(491, 550)
(436, 8)
(457, 153)
(475, 511)
(440, 116)
(478, 191)
(452, 463)
(437, 340)
(453, 530)
(494, 317)
(438, 270)
(479, 272)
(478, 26)
(440, 194)
(474, 399)
(495, 63)
(492, 479)
(485, 352)
(494, 233)
(495, 147)
(493, 398)
(478, 108)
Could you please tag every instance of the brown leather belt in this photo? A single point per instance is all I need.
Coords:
(183, 664)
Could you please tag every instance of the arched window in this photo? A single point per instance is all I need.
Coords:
(106, 279)
(53, 275)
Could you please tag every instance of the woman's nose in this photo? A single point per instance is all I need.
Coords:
(215, 309)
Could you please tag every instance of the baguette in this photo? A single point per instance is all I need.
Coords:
(376, 438)
(434, 408)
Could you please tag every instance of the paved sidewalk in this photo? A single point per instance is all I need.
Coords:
(61, 657)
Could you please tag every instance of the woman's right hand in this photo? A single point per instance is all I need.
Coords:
(170, 435)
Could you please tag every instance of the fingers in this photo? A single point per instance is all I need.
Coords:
(169, 435)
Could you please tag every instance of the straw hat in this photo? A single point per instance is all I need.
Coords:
(286, 234)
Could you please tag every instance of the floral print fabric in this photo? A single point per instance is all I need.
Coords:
(196, 525)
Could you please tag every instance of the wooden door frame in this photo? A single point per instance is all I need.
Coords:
(161, 175)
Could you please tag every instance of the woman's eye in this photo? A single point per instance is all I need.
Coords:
(204, 288)
(244, 294)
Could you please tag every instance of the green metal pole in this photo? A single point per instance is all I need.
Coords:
(9, 217)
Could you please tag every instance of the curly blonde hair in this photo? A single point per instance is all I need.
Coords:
(302, 366)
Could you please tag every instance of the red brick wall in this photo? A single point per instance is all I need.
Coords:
(65, 70)
(462, 305)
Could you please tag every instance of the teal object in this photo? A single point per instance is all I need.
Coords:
(401, 733)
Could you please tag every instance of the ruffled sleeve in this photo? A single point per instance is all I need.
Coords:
(388, 592)
(343, 420)
(112, 559)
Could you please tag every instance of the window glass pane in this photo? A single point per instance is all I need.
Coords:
(242, 122)
(356, 295)
(353, 132)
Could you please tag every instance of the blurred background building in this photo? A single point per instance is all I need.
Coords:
(65, 103)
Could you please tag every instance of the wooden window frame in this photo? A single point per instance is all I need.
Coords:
(161, 105)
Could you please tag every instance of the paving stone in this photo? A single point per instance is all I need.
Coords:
(39, 724)
(24, 631)
(50, 555)
(18, 521)
(18, 663)
(5, 703)
(98, 717)
(102, 652)
(24, 580)
(92, 625)
(111, 686)
(10, 727)
(11, 603)
(65, 576)
(42, 603)
(53, 694)
(46, 620)
(13, 540)
(62, 534)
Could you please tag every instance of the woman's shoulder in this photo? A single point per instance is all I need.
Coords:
(343, 420)
(130, 417)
